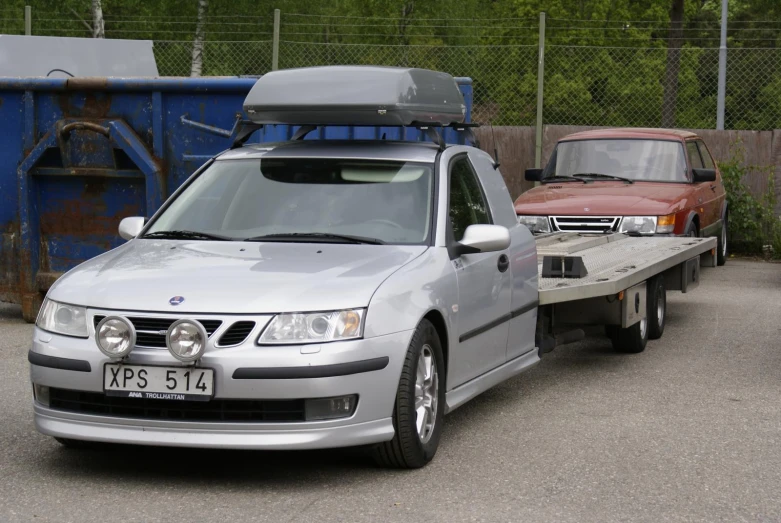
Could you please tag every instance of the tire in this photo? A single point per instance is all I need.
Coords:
(611, 331)
(721, 248)
(657, 307)
(691, 230)
(410, 447)
(631, 340)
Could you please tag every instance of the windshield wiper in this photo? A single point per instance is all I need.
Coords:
(561, 179)
(302, 237)
(603, 176)
(185, 235)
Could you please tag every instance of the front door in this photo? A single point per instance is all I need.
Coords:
(484, 283)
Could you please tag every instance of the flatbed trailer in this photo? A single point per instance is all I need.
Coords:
(616, 280)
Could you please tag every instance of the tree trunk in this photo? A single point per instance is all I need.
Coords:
(200, 30)
(98, 28)
(674, 44)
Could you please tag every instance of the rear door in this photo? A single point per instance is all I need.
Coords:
(703, 195)
(484, 282)
(714, 201)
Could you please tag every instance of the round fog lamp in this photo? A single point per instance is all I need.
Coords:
(115, 336)
(186, 340)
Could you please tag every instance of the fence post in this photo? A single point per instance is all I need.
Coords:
(722, 93)
(28, 20)
(275, 42)
(540, 84)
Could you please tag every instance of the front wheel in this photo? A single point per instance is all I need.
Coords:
(419, 410)
(721, 247)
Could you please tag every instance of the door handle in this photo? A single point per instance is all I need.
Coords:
(504, 263)
(713, 188)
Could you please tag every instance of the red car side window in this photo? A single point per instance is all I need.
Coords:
(707, 159)
(694, 155)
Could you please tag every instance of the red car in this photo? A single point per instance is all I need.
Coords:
(635, 181)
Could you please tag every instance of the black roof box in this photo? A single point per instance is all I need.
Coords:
(356, 95)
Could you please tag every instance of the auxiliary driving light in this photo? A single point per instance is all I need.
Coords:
(186, 340)
(115, 336)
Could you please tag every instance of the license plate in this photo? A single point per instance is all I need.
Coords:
(165, 383)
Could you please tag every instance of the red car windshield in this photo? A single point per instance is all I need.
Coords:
(639, 160)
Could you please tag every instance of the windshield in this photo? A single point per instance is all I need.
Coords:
(639, 160)
(390, 201)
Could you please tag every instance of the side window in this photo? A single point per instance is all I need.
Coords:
(707, 159)
(694, 155)
(467, 203)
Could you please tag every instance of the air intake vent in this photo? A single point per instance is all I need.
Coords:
(236, 333)
(150, 332)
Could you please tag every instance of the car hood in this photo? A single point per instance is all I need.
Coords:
(604, 198)
(232, 277)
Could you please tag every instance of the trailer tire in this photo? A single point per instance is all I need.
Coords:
(409, 449)
(657, 307)
(633, 339)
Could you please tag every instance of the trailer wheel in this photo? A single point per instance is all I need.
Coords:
(631, 339)
(657, 307)
(419, 411)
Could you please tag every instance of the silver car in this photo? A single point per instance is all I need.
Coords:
(296, 296)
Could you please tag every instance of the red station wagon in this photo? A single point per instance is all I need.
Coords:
(634, 181)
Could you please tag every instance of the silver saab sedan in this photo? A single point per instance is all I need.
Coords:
(295, 296)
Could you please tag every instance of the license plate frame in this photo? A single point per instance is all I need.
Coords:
(157, 373)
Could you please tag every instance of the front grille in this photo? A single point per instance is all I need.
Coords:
(586, 224)
(172, 410)
(148, 330)
(236, 333)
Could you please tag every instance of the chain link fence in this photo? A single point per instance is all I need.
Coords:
(583, 85)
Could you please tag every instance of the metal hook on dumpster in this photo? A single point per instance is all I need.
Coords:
(66, 129)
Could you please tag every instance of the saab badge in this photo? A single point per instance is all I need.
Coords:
(176, 300)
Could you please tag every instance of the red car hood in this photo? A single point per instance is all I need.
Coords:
(604, 198)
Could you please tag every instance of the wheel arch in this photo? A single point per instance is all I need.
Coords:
(438, 321)
(693, 217)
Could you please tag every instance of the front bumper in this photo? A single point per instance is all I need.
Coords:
(370, 423)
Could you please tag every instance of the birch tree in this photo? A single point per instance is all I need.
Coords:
(98, 28)
(200, 31)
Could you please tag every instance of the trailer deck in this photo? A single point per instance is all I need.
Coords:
(614, 262)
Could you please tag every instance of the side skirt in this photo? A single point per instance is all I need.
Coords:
(463, 393)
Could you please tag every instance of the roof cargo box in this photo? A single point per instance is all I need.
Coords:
(356, 95)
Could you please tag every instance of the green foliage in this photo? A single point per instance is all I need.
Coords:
(753, 223)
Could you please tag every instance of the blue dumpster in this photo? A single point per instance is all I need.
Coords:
(77, 155)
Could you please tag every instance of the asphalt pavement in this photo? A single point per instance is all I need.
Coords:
(686, 431)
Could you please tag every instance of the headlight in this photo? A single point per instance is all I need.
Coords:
(186, 340)
(536, 224)
(61, 318)
(314, 327)
(115, 336)
(638, 225)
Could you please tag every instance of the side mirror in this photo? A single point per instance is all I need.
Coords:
(533, 175)
(703, 175)
(131, 226)
(484, 238)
